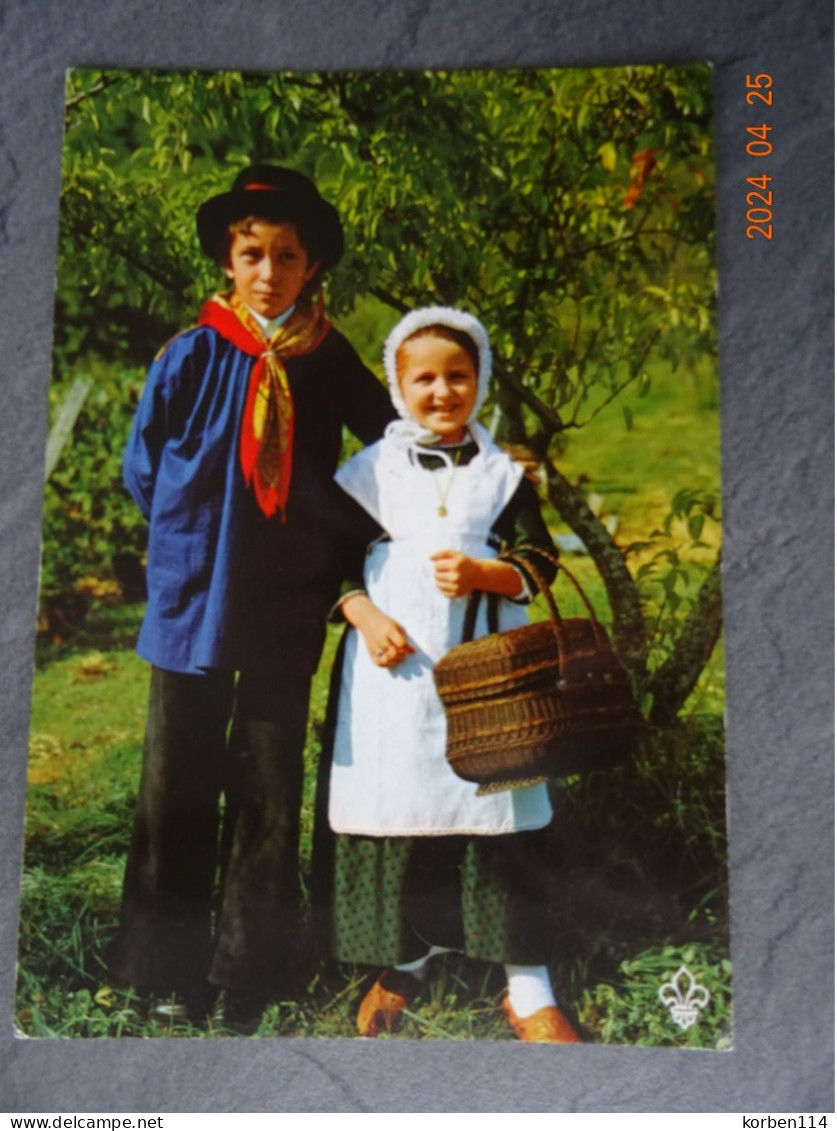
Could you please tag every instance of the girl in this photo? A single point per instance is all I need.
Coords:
(423, 864)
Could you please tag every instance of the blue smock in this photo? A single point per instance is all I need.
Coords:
(228, 587)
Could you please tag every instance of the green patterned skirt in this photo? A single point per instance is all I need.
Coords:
(484, 895)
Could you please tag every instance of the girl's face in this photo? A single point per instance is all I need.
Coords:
(269, 267)
(439, 385)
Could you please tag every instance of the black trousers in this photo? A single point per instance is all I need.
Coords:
(207, 737)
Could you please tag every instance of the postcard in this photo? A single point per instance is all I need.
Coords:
(572, 212)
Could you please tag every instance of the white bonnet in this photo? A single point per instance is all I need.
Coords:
(438, 316)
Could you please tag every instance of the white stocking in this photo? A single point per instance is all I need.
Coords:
(529, 989)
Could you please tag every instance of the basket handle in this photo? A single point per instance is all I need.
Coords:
(598, 631)
(493, 600)
(470, 623)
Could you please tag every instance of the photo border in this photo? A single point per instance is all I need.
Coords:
(776, 364)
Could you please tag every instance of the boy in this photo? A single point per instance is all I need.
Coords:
(231, 459)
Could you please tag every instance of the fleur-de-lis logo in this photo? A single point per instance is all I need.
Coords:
(684, 998)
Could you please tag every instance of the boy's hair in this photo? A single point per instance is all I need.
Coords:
(244, 227)
(450, 334)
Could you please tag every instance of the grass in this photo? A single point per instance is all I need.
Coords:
(87, 724)
(673, 442)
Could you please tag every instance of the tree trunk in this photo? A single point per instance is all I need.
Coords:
(674, 680)
(628, 621)
(512, 429)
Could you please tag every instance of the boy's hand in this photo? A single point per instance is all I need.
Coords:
(385, 639)
(456, 574)
(527, 459)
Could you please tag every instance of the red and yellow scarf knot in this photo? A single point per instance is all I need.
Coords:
(267, 425)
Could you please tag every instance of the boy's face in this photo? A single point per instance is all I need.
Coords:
(269, 267)
(439, 385)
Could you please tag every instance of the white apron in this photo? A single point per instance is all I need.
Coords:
(390, 776)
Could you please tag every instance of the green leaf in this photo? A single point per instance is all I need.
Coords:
(607, 156)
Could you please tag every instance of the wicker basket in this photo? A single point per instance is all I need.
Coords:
(542, 701)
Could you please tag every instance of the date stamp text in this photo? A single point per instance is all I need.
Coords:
(759, 199)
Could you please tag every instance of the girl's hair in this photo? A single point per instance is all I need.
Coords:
(450, 334)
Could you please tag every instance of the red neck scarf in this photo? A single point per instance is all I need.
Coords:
(267, 426)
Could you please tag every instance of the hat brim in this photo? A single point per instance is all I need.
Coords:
(317, 219)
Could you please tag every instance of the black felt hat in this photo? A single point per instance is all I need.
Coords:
(281, 196)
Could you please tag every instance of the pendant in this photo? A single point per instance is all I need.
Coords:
(442, 511)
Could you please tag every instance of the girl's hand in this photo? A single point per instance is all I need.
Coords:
(456, 574)
(385, 639)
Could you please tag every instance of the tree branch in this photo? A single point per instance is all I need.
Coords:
(389, 300)
(575, 423)
(636, 235)
(175, 284)
(549, 419)
(90, 92)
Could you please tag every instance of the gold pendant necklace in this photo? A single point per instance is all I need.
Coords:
(442, 509)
